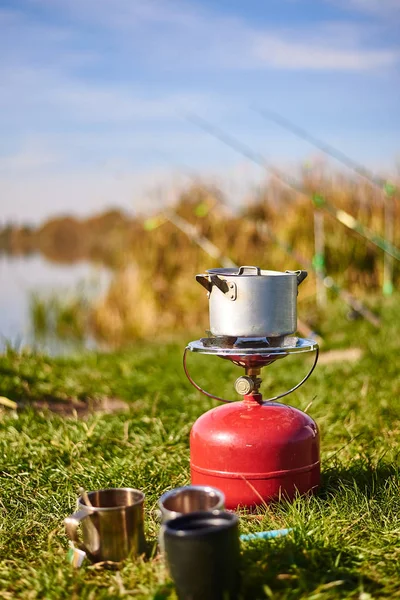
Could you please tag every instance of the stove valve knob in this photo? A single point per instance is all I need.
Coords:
(244, 385)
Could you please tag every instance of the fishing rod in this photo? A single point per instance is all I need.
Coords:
(193, 234)
(335, 153)
(318, 200)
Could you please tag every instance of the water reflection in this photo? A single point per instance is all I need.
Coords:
(23, 278)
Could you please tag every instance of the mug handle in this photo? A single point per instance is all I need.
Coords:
(71, 526)
(161, 543)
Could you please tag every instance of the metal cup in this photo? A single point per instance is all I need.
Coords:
(112, 528)
(183, 500)
(190, 498)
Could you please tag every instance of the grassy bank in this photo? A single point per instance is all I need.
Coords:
(346, 539)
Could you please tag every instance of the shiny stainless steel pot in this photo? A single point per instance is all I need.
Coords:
(250, 302)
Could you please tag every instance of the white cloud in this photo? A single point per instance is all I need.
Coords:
(38, 90)
(320, 55)
(105, 104)
(31, 158)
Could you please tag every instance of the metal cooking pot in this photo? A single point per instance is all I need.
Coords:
(250, 302)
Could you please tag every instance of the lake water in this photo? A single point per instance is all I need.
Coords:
(22, 276)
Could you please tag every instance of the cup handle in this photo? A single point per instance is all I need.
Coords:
(71, 526)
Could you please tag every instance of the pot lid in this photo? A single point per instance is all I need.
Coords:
(247, 270)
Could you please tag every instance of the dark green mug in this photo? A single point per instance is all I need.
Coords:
(203, 555)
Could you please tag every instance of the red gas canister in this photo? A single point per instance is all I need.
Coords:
(255, 452)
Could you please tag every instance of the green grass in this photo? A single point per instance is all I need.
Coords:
(346, 542)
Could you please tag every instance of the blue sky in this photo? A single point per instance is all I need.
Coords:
(94, 91)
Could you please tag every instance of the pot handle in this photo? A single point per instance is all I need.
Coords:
(226, 287)
(245, 270)
(204, 281)
(301, 275)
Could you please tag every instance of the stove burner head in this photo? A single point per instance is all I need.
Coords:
(243, 343)
(259, 348)
(220, 341)
(253, 361)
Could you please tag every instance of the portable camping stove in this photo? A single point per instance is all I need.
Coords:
(254, 450)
